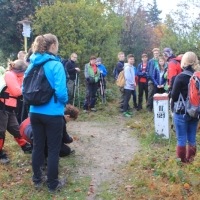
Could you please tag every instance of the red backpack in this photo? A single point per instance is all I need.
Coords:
(192, 103)
(193, 98)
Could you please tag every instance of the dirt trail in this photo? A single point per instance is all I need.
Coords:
(103, 148)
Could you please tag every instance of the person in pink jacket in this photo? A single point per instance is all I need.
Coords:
(8, 103)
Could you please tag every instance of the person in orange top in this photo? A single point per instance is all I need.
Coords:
(8, 121)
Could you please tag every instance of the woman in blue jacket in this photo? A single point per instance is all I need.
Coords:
(157, 77)
(47, 119)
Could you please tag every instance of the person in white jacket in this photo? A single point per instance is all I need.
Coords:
(130, 84)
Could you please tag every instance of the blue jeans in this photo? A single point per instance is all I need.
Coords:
(186, 128)
(50, 128)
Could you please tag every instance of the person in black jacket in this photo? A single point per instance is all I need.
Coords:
(142, 80)
(119, 68)
(72, 70)
(70, 113)
(186, 126)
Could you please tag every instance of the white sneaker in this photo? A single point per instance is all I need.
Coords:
(93, 109)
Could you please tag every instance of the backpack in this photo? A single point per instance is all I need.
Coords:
(115, 71)
(64, 62)
(36, 87)
(121, 79)
(192, 103)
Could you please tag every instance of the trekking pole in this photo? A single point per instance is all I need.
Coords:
(78, 83)
(102, 89)
(75, 90)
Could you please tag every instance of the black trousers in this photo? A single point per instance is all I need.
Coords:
(50, 128)
(127, 96)
(143, 88)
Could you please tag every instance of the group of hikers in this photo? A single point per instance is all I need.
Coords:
(41, 129)
(165, 74)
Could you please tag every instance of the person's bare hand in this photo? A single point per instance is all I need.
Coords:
(77, 69)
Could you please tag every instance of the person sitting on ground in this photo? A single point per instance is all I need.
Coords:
(70, 113)
(13, 79)
(92, 74)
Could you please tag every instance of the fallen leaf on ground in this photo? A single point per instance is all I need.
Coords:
(77, 190)
(91, 190)
(186, 186)
(5, 185)
(75, 138)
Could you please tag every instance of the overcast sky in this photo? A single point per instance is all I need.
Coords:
(166, 6)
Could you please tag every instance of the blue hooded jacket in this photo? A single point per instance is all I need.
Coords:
(55, 74)
(103, 69)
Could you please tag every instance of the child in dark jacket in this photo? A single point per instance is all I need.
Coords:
(157, 76)
(70, 113)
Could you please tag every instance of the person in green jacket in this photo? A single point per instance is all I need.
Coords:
(2, 70)
(92, 75)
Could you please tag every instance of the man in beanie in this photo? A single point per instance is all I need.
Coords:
(102, 69)
(174, 67)
(153, 63)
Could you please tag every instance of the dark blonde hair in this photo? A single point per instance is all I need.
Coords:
(17, 65)
(72, 111)
(42, 43)
(130, 56)
(190, 59)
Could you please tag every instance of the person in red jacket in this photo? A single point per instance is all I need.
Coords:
(70, 113)
(8, 103)
(174, 66)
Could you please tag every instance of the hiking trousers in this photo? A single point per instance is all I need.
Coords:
(70, 87)
(50, 128)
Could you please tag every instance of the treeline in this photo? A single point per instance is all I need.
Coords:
(101, 28)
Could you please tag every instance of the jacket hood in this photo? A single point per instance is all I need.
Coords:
(37, 58)
(178, 58)
(127, 65)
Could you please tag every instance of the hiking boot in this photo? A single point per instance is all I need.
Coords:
(3, 158)
(126, 114)
(27, 148)
(135, 106)
(93, 109)
(39, 184)
(60, 185)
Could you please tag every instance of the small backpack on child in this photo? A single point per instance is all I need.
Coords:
(192, 103)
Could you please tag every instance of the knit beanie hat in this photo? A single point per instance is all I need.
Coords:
(98, 60)
(167, 52)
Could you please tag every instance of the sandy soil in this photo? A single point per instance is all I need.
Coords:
(103, 149)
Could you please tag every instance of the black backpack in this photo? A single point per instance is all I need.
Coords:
(36, 87)
(64, 62)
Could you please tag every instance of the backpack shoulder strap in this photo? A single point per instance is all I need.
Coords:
(186, 72)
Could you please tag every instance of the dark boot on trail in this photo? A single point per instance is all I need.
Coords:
(3, 157)
(191, 152)
(139, 107)
(27, 148)
(181, 153)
